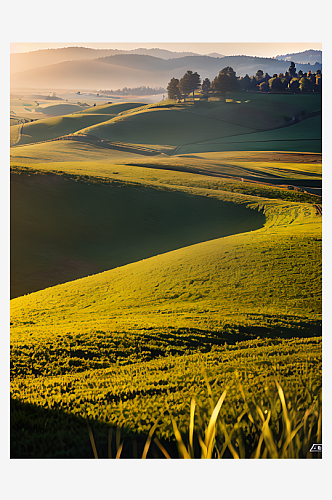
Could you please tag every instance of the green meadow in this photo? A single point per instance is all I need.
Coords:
(166, 261)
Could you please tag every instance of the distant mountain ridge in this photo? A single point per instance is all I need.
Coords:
(115, 69)
(308, 56)
(35, 59)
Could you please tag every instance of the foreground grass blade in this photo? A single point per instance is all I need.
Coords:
(211, 430)
(148, 441)
(181, 446)
(191, 427)
(161, 448)
(117, 440)
(93, 444)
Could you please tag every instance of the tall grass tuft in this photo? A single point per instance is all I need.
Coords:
(280, 431)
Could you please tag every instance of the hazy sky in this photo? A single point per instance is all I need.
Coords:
(269, 49)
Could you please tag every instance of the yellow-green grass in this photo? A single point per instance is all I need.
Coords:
(126, 347)
(224, 171)
(110, 109)
(273, 270)
(71, 157)
(64, 228)
(49, 246)
(52, 128)
(123, 346)
(17, 119)
(48, 411)
(278, 164)
(68, 151)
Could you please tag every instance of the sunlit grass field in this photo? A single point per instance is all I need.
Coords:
(164, 284)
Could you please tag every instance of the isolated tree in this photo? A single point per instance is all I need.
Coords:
(189, 83)
(173, 89)
(226, 81)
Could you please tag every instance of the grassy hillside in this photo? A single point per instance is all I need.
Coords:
(48, 413)
(64, 228)
(176, 276)
(219, 124)
(51, 128)
(163, 127)
(120, 346)
(303, 136)
(240, 123)
(273, 269)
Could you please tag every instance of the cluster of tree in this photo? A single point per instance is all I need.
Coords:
(291, 80)
(227, 81)
(135, 91)
(190, 82)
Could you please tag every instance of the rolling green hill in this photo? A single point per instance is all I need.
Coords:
(253, 272)
(152, 279)
(205, 126)
(52, 128)
(63, 228)
(120, 346)
(303, 136)
(164, 127)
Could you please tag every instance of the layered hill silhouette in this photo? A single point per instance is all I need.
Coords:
(307, 56)
(96, 70)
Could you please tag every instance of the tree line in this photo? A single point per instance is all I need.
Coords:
(227, 81)
(142, 90)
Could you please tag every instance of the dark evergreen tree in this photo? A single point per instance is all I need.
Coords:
(189, 83)
(173, 89)
(226, 81)
(292, 70)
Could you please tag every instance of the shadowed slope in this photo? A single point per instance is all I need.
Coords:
(275, 270)
(65, 228)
